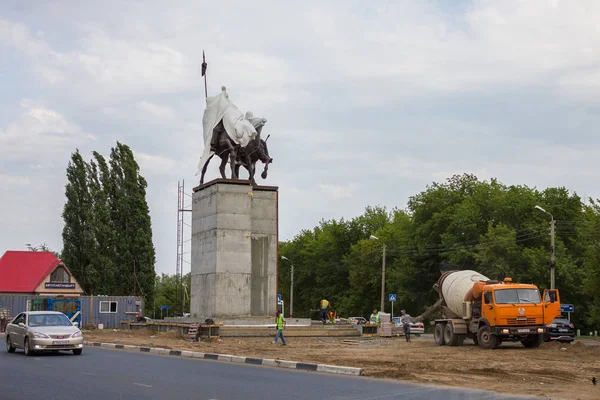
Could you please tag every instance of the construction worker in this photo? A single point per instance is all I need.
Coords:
(406, 320)
(280, 322)
(324, 310)
(374, 318)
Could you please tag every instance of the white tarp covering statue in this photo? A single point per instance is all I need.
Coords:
(232, 136)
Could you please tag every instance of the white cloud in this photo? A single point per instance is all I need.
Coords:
(11, 181)
(152, 165)
(366, 102)
(156, 110)
(337, 192)
(40, 134)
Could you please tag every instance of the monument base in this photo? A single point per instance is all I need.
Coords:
(234, 249)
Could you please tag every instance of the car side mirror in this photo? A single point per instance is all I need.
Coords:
(75, 323)
(22, 325)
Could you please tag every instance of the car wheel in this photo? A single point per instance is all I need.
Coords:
(26, 348)
(77, 352)
(9, 346)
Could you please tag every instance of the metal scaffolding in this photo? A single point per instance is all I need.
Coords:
(181, 291)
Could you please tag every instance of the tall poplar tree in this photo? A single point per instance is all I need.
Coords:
(77, 234)
(103, 252)
(130, 214)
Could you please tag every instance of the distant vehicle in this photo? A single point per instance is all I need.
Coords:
(357, 320)
(416, 328)
(37, 331)
(561, 330)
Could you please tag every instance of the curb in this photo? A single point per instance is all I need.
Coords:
(331, 369)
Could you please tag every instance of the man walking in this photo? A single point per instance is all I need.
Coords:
(406, 319)
(324, 310)
(280, 321)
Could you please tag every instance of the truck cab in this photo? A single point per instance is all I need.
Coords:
(514, 312)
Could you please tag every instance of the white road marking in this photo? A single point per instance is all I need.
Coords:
(141, 384)
(47, 365)
(88, 373)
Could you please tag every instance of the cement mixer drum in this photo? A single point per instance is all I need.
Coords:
(456, 285)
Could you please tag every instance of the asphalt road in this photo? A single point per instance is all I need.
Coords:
(115, 374)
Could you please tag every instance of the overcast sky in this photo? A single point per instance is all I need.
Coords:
(367, 102)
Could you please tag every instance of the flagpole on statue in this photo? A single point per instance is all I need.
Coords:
(204, 73)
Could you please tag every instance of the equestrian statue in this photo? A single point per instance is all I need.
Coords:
(233, 137)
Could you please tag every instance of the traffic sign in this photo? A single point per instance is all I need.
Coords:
(279, 297)
(392, 298)
(567, 308)
(164, 307)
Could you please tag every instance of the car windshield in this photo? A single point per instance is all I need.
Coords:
(49, 320)
(517, 296)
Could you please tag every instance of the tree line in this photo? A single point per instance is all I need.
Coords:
(462, 223)
(107, 236)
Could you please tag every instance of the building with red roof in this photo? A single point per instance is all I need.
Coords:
(36, 273)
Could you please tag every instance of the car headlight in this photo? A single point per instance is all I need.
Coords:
(76, 334)
(40, 335)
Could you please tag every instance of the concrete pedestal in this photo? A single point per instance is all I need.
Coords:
(234, 250)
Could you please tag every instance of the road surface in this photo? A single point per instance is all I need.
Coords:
(115, 374)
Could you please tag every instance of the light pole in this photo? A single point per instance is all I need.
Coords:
(291, 287)
(552, 259)
(372, 237)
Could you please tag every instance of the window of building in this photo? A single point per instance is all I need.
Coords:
(108, 307)
(60, 275)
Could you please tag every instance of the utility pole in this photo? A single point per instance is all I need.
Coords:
(552, 257)
(383, 280)
(552, 247)
(291, 286)
(373, 237)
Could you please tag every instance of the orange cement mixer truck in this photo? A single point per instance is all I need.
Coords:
(491, 312)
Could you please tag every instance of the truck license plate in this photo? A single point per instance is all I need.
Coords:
(523, 330)
(563, 330)
(60, 342)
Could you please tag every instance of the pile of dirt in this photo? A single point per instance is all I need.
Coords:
(556, 370)
(141, 332)
(171, 334)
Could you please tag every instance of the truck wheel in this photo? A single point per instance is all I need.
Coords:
(486, 339)
(450, 337)
(438, 334)
(532, 341)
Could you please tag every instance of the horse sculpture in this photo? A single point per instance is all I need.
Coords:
(247, 157)
(228, 151)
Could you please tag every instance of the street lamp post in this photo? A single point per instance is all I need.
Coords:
(291, 286)
(382, 274)
(552, 256)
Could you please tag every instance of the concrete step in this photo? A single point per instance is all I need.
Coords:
(230, 331)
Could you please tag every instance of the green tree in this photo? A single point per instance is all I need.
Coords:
(461, 223)
(134, 251)
(77, 232)
(103, 251)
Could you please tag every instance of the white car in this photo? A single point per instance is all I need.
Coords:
(37, 331)
(416, 328)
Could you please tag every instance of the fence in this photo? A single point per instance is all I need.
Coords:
(105, 310)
